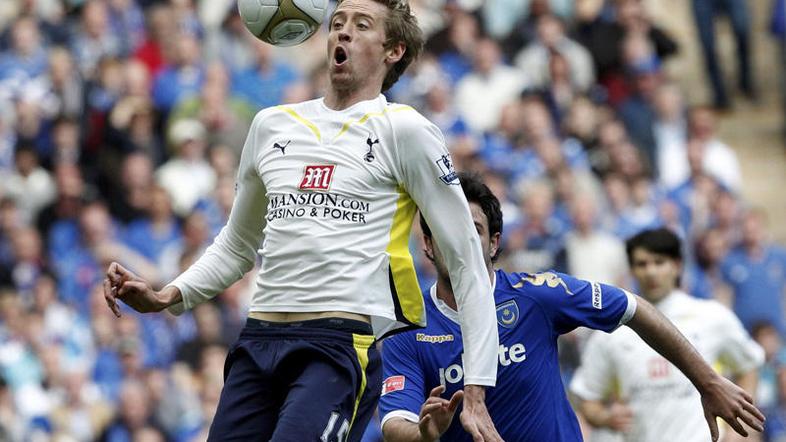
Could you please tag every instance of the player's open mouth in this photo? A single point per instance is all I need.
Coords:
(339, 56)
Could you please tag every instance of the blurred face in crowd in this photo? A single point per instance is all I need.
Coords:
(549, 31)
(94, 18)
(25, 36)
(712, 246)
(753, 229)
(95, 223)
(188, 50)
(487, 56)
(133, 404)
(583, 213)
(668, 103)
(160, 204)
(61, 66)
(656, 274)
(702, 124)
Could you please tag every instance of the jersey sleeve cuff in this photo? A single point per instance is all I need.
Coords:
(403, 414)
(480, 380)
(578, 388)
(180, 307)
(630, 310)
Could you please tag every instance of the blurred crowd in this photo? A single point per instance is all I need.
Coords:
(121, 123)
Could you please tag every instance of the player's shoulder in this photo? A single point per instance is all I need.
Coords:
(302, 109)
(406, 119)
(547, 283)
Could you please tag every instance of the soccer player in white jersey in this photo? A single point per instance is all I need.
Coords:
(333, 185)
(653, 401)
(529, 403)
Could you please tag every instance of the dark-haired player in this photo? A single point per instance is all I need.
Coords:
(423, 368)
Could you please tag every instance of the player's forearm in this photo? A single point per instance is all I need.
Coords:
(401, 430)
(660, 334)
(595, 412)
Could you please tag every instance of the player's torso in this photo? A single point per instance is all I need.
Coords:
(333, 198)
(665, 403)
(528, 390)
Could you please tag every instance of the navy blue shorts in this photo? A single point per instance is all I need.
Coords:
(317, 380)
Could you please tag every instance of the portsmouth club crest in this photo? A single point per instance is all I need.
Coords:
(508, 314)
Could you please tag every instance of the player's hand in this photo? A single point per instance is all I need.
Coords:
(436, 414)
(619, 418)
(721, 398)
(475, 417)
(121, 283)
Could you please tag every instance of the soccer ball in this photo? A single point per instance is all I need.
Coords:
(282, 22)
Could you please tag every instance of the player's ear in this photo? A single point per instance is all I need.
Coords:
(494, 244)
(428, 248)
(395, 53)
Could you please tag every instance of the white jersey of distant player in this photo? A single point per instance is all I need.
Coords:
(666, 406)
(341, 189)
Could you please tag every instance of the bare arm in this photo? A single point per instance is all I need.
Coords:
(436, 414)
(616, 416)
(719, 396)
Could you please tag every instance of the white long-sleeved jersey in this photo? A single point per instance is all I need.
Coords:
(335, 194)
(665, 405)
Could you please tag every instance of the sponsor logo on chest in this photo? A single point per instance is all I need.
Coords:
(317, 177)
(514, 354)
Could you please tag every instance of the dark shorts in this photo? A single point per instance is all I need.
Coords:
(316, 380)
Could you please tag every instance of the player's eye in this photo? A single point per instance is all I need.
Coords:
(363, 26)
(336, 25)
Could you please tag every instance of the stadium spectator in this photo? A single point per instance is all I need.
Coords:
(65, 82)
(591, 253)
(704, 13)
(720, 161)
(263, 83)
(182, 77)
(31, 185)
(551, 44)
(27, 58)
(188, 164)
(481, 94)
(756, 271)
(95, 39)
(225, 116)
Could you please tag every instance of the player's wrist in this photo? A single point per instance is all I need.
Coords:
(168, 296)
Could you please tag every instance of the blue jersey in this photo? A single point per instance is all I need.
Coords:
(529, 402)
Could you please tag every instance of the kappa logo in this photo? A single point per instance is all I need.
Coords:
(393, 383)
(369, 157)
(449, 175)
(281, 146)
(317, 177)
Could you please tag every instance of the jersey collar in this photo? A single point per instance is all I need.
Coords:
(445, 309)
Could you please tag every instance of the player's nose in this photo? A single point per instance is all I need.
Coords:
(345, 34)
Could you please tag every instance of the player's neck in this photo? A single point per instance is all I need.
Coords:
(341, 98)
(445, 293)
